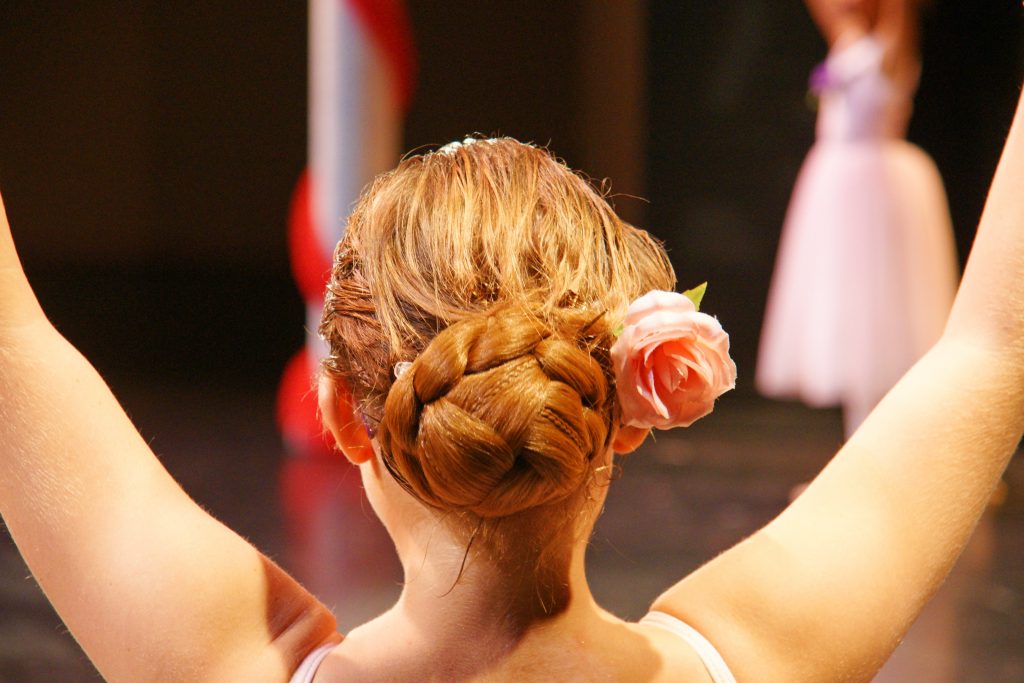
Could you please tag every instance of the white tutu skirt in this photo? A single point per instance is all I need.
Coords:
(864, 279)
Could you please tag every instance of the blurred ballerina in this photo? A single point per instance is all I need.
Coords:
(866, 268)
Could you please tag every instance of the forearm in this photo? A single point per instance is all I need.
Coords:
(18, 305)
(989, 307)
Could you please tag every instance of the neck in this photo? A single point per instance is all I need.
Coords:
(480, 624)
(446, 585)
(450, 591)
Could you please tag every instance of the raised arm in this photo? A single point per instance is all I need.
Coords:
(898, 26)
(151, 586)
(828, 589)
(894, 20)
(841, 18)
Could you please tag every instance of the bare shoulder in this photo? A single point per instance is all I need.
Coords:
(612, 650)
(680, 660)
(297, 623)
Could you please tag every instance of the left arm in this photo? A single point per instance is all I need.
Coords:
(826, 591)
(898, 26)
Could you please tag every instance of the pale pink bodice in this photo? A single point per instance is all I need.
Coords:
(857, 100)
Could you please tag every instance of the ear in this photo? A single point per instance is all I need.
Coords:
(628, 439)
(339, 417)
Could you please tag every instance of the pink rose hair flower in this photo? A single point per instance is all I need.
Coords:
(671, 361)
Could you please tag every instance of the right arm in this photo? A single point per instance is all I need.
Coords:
(828, 589)
(151, 586)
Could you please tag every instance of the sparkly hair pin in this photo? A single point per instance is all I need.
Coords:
(453, 147)
(401, 367)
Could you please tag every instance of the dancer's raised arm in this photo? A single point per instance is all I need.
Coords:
(18, 306)
(152, 587)
(836, 19)
(828, 589)
(894, 22)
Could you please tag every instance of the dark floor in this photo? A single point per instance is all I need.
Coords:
(713, 483)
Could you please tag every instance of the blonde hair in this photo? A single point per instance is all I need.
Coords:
(496, 271)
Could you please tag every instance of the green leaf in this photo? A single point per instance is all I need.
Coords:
(696, 295)
(618, 329)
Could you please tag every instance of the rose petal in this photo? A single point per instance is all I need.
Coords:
(656, 300)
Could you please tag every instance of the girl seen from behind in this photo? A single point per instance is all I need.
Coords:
(498, 335)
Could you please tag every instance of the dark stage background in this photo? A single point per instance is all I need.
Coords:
(148, 151)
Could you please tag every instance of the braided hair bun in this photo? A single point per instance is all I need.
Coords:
(499, 414)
